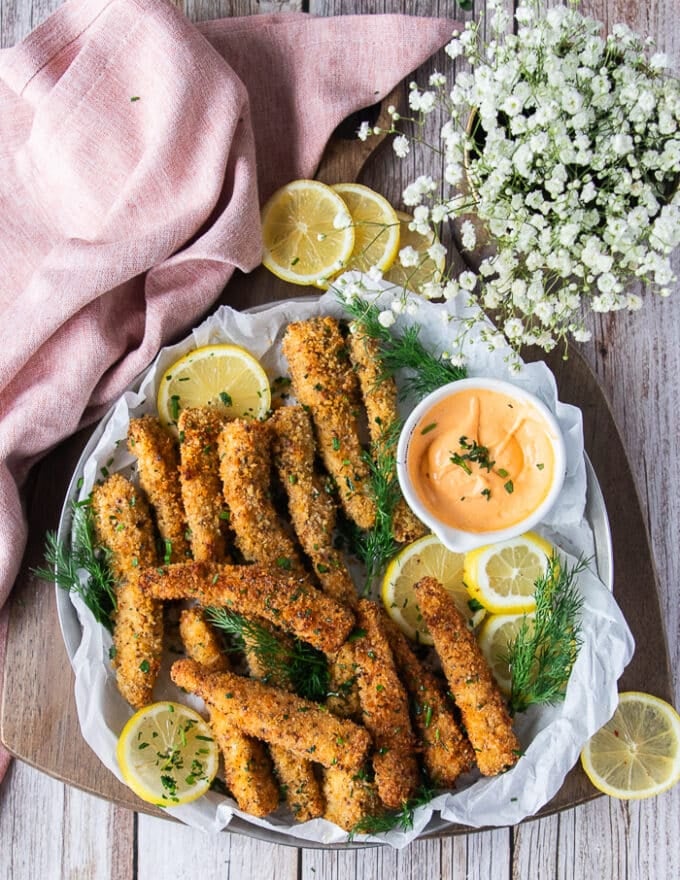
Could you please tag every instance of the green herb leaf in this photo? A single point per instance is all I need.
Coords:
(305, 668)
(84, 559)
(545, 649)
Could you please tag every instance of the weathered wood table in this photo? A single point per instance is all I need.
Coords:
(52, 830)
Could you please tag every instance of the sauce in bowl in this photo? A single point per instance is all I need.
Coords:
(480, 457)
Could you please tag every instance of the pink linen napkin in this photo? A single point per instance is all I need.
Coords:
(133, 146)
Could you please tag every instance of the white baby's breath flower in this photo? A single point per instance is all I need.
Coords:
(386, 318)
(401, 146)
(342, 220)
(408, 257)
(436, 252)
(468, 235)
(364, 131)
(467, 280)
(375, 274)
(580, 334)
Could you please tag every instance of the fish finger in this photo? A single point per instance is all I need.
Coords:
(288, 601)
(122, 522)
(247, 768)
(300, 726)
(446, 751)
(384, 705)
(201, 487)
(296, 777)
(379, 393)
(485, 715)
(244, 451)
(323, 381)
(312, 510)
(158, 463)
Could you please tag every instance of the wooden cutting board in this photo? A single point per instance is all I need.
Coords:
(38, 720)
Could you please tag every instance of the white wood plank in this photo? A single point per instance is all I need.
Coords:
(421, 859)
(51, 831)
(168, 849)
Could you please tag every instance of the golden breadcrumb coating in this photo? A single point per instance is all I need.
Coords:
(302, 727)
(200, 640)
(343, 699)
(485, 715)
(296, 777)
(158, 463)
(288, 601)
(201, 486)
(384, 703)
(379, 394)
(123, 524)
(312, 510)
(245, 467)
(446, 752)
(324, 381)
(247, 768)
(349, 798)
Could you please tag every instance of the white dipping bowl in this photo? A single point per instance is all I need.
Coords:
(459, 540)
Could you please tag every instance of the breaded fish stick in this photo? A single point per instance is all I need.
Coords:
(446, 751)
(300, 726)
(200, 641)
(385, 710)
(158, 463)
(349, 797)
(379, 394)
(343, 699)
(285, 600)
(474, 689)
(201, 487)
(123, 525)
(245, 452)
(312, 510)
(296, 777)
(324, 381)
(247, 768)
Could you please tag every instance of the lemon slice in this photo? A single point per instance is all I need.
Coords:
(637, 752)
(496, 634)
(167, 754)
(502, 576)
(427, 269)
(426, 556)
(224, 376)
(307, 232)
(376, 227)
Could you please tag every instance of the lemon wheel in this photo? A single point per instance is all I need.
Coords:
(637, 752)
(376, 227)
(502, 576)
(167, 754)
(224, 376)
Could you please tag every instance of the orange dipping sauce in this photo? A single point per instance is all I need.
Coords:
(481, 461)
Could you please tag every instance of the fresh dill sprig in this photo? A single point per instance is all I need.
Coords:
(299, 664)
(376, 545)
(401, 819)
(425, 371)
(65, 566)
(543, 653)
